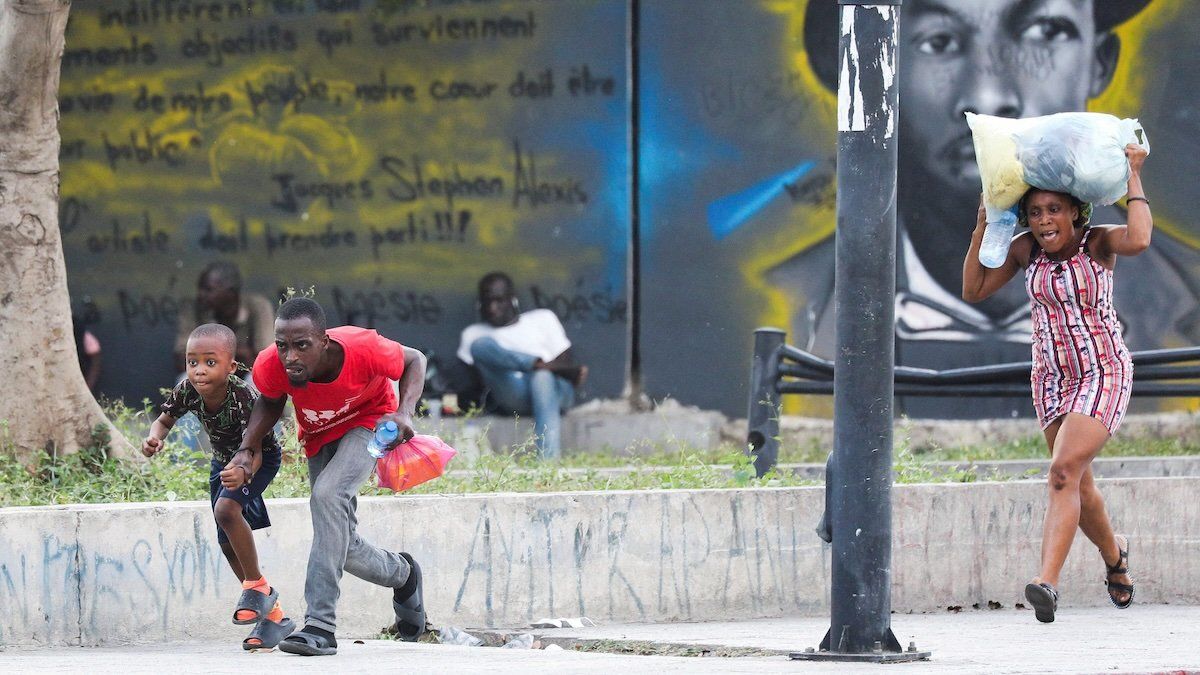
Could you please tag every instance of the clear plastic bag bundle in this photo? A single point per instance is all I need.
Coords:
(1081, 154)
(409, 464)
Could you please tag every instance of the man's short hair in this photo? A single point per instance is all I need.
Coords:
(217, 331)
(821, 31)
(225, 271)
(491, 278)
(297, 308)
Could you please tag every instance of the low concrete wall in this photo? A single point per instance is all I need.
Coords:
(918, 434)
(590, 428)
(107, 574)
(1102, 467)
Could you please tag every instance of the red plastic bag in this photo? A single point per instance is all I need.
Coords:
(409, 464)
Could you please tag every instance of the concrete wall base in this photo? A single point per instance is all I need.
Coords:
(111, 574)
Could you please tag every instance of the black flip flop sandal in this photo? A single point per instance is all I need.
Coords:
(1044, 599)
(268, 633)
(308, 644)
(252, 600)
(1115, 587)
(410, 611)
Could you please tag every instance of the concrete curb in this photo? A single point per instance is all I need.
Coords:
(111, 574)
(1007, 469)
(925, 433)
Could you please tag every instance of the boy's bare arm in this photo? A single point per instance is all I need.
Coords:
(158, 431)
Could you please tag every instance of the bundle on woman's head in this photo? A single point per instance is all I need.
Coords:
(1080, 154)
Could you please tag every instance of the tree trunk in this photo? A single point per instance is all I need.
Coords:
(44, 401)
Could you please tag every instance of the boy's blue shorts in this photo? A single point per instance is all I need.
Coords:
(254, 509)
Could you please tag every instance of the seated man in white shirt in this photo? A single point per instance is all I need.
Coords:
(525, 360)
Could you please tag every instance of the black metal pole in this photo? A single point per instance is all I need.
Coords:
(864, 296)
(763, 419)
(859, 488)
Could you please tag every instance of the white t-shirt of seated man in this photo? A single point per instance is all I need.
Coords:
(537, 332)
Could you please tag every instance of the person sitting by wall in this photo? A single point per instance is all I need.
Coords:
(219, 299)
(525, 361)
(88, 348)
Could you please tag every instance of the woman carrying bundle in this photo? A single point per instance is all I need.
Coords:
(1082, 374)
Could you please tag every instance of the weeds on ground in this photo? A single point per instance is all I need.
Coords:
(178, 474)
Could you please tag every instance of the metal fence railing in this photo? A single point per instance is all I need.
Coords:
(779, 368)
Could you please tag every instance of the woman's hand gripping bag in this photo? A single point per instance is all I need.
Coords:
(409, 464)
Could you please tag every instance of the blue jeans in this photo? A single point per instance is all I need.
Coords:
(517, 388)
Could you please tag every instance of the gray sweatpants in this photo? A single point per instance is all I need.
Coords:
(336, 473)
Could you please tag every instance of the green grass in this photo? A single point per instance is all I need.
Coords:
(175, 474)
(1035, 448)
(87, 477)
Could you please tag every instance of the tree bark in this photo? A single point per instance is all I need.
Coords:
(44, 401)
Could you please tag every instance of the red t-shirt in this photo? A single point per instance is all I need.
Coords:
(361, 393)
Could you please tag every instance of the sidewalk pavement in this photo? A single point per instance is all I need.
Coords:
(1150, 638)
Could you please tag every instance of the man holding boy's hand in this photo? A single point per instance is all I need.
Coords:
(340, 382)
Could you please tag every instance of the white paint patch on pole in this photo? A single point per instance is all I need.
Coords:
(852, 116)
(850, 98)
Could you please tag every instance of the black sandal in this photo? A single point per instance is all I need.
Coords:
(268, 634)
(1044, 599)
(253, 601)
(308, 644)
(1120, 567)
(410, 610)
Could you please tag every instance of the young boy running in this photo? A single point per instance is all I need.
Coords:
(215, 391)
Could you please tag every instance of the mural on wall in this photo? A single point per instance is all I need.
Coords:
(390, 152)
(387, 153)
(738, 144)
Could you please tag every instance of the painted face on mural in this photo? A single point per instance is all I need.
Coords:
(1009, 58)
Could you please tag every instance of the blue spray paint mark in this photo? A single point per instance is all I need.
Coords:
(728, 212)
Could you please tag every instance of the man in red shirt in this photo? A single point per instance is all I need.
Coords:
(340, 383)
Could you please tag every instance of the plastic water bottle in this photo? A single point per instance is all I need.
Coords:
(997, 236)
(385, 435)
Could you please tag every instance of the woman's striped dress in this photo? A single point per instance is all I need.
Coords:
(1080, 363)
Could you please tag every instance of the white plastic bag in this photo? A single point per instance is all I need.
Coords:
(452, 635)
(1082, 154)
(522, 641)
